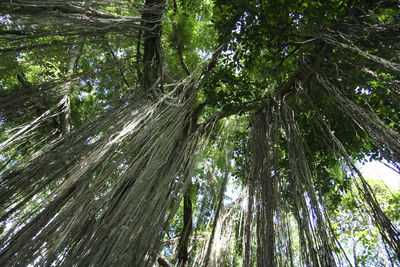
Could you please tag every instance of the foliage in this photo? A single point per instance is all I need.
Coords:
(354, 230)
(135, 133)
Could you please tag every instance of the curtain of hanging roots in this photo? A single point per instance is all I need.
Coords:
(390, 234)
(315, 241)
(274, 236)
(263, 179)
(221, 251)
(388, 231)
(388, 142)
(67, 19)
(217, 250)
(100, 195)
(386, 139)
(36, 24)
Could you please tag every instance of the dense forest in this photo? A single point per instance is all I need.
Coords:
(198, 132)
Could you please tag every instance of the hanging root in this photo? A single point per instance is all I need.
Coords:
(387, 230)
(263, 181)
(68, 212)
(276, 122)
(387, 139)
(311, 222)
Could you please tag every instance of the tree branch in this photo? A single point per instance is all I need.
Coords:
(118, 64)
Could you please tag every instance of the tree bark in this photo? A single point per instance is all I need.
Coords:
(247, 228)
(65, 115)
(151, 19)
(183, 254)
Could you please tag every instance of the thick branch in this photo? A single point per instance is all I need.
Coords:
(65, 115)
(151, 55)
(163, 262)
(304, 71)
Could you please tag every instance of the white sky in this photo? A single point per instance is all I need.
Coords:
(377, 170)
(372, 170)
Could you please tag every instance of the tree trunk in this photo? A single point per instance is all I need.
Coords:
(151, 56)
(183, 245)
(65, 115)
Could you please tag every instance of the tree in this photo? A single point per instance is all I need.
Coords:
(355, 232)
(125, 124)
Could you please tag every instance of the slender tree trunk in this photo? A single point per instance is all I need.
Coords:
(216, 217)
(65, 115)
(247, 228)
(183, 254)
(355, 253)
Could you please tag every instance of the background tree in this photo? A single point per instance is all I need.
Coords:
(354, 229)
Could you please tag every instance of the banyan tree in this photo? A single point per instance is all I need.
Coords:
(126, 125)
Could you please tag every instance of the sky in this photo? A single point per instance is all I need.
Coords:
(372, 170)
(377, 170)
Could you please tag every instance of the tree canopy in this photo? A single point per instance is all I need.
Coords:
(198, 132)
